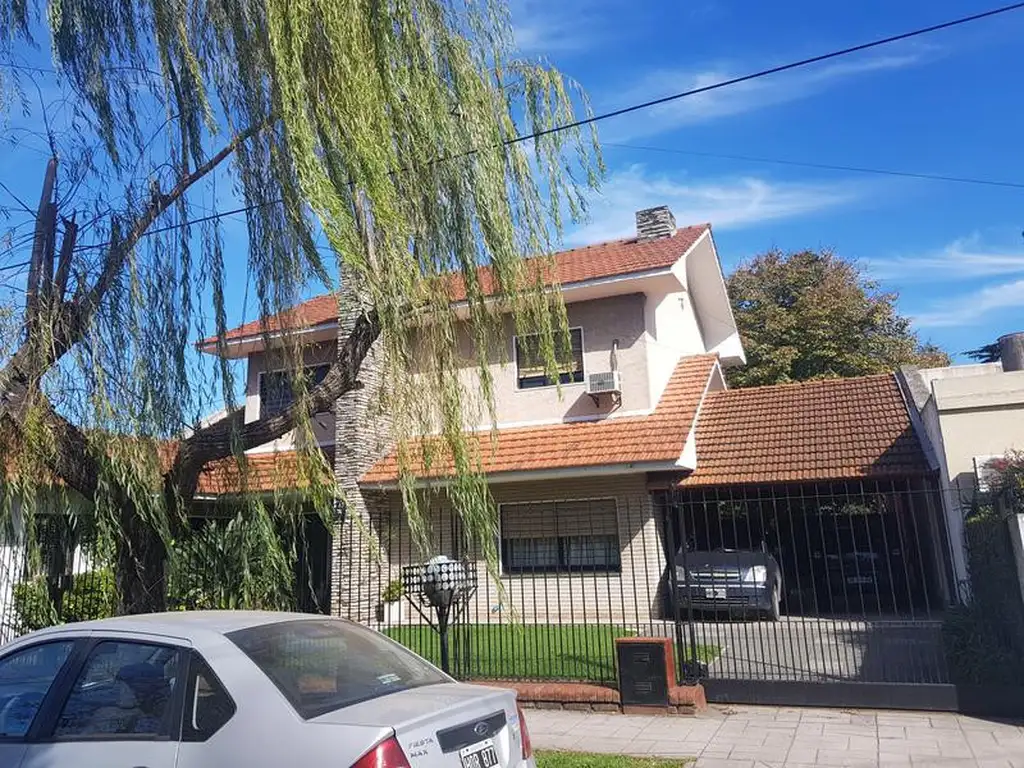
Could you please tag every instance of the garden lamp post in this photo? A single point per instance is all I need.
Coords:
(441, 585)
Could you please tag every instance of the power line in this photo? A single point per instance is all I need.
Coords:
(776, 70)
(675, 97)
(823, 166)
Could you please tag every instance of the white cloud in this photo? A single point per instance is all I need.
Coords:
(547, 28)
(735, 99)
(725, 202)
(973, 307)
(962, 259)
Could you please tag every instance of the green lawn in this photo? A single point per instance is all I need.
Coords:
(588, 760)
(526, 651)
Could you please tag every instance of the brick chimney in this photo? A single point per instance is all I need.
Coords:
(655, 223)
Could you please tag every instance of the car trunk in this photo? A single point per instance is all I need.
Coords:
(447, 726)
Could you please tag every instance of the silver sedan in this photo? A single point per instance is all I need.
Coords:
(238, 688)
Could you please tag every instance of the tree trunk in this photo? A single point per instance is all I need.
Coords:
(141, 572)
(59, 559)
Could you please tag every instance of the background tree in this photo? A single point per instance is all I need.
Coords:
(812, 315)
(987, 353)
(373, 149)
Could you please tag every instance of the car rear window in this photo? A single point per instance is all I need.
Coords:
(321, 665)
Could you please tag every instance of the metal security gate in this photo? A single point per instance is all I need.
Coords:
(829, 594)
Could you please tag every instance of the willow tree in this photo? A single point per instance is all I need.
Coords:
(378, 151)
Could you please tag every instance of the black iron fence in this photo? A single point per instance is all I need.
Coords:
(564, 580)
(813, 583)
(985, 636)
(844, 581)
(58, 568)
(796, 584)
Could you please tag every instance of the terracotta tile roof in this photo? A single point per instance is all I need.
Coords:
(657, 437)
(308, 314)
(610, 259)
(821, 430)
(266, 472)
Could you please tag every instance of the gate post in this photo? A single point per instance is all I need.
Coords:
(689, 664)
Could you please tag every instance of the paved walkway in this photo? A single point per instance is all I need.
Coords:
(762, 737)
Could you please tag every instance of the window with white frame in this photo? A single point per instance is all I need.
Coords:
(277, 391)
(560, 536)
(530, 372)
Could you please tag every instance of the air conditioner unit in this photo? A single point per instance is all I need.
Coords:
(606, 382)
(986, 474)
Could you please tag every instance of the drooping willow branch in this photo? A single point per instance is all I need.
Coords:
(71, 320)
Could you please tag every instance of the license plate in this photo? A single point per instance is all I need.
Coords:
(714, 593)
(859, 580)
(479, 755)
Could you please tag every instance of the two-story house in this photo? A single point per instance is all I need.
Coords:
(651, 326)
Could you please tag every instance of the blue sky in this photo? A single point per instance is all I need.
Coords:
(946, 104)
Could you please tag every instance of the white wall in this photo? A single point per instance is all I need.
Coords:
(604, 322)
(672, 331)
(980, 415)
(705, 284)
(967, 411)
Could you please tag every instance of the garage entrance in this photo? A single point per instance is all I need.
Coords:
(827, 593)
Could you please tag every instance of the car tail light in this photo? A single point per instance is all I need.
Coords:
(524, 734)
(387, 754)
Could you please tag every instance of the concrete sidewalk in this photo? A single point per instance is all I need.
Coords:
(749, 737)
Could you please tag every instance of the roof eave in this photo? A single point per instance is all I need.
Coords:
(256, 342)
(237, 347)
(534, 475)
(904, 474)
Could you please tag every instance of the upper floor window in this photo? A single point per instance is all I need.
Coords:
(277, 392)
(530, 371)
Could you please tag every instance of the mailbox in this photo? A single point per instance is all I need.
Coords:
(646, 670)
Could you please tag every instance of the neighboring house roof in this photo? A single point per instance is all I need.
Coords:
(656, 438)
(834, 429)
(593, 262)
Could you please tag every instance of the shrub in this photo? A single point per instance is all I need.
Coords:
(985, 638)
(32, 606)
(392, 592)
(229, 565)
(93, 595)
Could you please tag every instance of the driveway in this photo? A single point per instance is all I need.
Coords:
(764, 737)
(816, 649)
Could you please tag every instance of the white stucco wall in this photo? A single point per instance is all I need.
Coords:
(968, 411)
(979, 416)
(672, 331)
(617, 320)
(701, 273)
